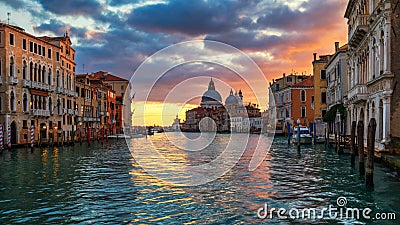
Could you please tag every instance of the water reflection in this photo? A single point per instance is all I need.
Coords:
(104, 184)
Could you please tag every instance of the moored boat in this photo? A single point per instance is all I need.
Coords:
(305, 136)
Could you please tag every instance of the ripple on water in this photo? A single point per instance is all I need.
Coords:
(105, 185)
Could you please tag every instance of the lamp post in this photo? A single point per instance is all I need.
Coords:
(298, 134)
(339, 131)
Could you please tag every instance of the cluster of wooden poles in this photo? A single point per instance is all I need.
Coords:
(357, 149)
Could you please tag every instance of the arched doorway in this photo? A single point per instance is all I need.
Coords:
(14, 134)
(43, 132)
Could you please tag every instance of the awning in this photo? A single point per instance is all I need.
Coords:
(40, 93)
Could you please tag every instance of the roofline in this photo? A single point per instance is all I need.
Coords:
(348, 8)
(22, 31)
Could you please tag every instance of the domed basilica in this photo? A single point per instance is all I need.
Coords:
(231, 117)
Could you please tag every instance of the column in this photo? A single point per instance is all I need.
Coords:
(386, 119)
(387, 44)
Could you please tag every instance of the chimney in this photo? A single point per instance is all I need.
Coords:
(336, 46)
(315, 56)
(284, 75)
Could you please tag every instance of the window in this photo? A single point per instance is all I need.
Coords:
(11, 66)
(25, 103)
(57, 56)
(49, 53)
(12, 101)
(11, 39)
(24, 44)
(24, 124)
(31, 46)
(35, 48)
(303, 112)
(0, 36)
(323, 74)
(43, 51)
(122, 87)
(302, 95)
(323, 112)
(277, 87)
(289, 79)
(39, 49)
(323, 97)
(24, 70)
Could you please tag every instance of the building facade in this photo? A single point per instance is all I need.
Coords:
(293, 99)
(373, 68)
(320, 86)
(336, 75)
(37, 86)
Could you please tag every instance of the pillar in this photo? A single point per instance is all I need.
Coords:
(386, 119)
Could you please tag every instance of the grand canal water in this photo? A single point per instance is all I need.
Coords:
(96, 185)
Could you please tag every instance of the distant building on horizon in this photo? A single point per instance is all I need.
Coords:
(212, 115)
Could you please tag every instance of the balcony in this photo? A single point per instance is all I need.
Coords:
(52, 88)
(60, 90)
(12, 80)
(358, 30)
(76, 94)
(358, 93)
(88, 99)
(102, 113)
(1, 80)
(40, 112)
(26, 83)
(75, 112)
(65, 111)
(91, 119)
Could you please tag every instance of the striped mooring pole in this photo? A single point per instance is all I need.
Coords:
(1, 137)
(32, 136)
(9, 137)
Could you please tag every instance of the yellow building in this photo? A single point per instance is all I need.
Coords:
(320, 86)
(37, 86)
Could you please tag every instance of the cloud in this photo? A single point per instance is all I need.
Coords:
(72, 7)
(187, 17)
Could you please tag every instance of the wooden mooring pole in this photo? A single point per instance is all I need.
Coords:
(360, 141)
(353, 143)
(369, 177)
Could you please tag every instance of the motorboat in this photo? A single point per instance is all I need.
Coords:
(305, 136)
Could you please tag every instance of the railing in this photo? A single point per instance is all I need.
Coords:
(88, 99)
(41, 112)
(75, 112)
(102, 113)
(359, 91)
(13, 80)
(65, 111)
(91, 119)
(59, 90)
(71, 112)
(52, 88)
(1, 79)
(361, 22)
(26, 83)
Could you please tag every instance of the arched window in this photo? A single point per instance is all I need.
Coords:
(50, 105)
(44, 74)
(44, 103)
(49, 78)
(25, 102)
(39, 73)
(1, 104)
(58, 78)
(303, 95)
(59, 107)
(31, 71)
(24, 70)
(35, 72)
(11, 66)
(12, 101)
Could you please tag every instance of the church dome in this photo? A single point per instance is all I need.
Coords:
(211, 97)
(231, 99)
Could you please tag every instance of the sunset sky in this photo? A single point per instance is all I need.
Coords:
(117, 36)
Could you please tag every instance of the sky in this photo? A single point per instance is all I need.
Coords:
(118, 36)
